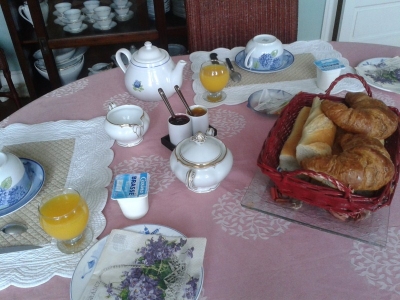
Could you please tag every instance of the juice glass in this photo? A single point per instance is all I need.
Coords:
(214, 76)
(64, 215)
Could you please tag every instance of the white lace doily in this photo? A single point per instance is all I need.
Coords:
(89, 174)
(236, 95)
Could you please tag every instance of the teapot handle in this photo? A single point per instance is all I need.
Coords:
(118, 58)
(21, 10)
(190, 175)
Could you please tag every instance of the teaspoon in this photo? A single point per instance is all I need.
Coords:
(235, 76)
(14, 228)
(179, 92)
(165, 99)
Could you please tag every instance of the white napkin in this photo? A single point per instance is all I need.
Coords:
(136, 265)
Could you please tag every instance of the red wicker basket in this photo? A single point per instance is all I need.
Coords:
(341, 200)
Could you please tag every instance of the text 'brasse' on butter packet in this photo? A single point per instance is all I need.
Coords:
(130, 186)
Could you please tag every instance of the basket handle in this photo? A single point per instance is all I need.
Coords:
(349, 75)
(320, 176)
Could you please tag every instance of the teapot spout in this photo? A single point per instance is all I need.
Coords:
(177, 73)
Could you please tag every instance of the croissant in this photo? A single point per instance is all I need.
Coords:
(365, 115)
(364, 163)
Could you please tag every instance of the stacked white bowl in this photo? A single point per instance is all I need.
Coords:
(122, 9)
(69, 62)
(150, 8)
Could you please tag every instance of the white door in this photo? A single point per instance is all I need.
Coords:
(370, 21)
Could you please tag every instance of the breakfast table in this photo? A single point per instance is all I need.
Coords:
(249, 254)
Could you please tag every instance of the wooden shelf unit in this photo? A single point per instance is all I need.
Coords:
(27, 39)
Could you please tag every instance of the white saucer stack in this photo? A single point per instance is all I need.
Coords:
(69, 62)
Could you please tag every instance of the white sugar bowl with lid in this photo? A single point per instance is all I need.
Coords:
(149, 69)
(14, 180)
(201, 162)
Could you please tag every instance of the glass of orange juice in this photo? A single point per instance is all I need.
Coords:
(214, 76)
(64, 215)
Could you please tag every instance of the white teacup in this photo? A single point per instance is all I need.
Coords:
(126, 124)
(72, 15)
(91, 5)
(14, 180)
(75, 26)
(104, 23)
(120, 3)
(62, 7)
(263, 52)
(102, 12)
(122, 11)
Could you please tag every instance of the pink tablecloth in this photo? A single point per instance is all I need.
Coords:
(249, 255)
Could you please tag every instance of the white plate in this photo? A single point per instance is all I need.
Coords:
(82, 28)
(96, 26)
(378, 62)
(87, 264)
(36, 174)
(288, 60)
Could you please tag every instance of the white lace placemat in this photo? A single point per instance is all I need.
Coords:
(240, 93)
(88, 173)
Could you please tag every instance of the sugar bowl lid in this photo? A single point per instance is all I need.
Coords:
(150, 55)
(200, 151)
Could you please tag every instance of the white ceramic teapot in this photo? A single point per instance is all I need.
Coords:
(149, 69)
(201, 162)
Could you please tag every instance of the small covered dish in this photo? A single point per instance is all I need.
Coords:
(201, 162)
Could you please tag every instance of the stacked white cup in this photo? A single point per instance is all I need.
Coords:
(73, 17)
(89, 9)
(103, 17)
(122, 9)
(60, 9)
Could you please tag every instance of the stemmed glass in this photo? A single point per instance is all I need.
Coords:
(64, 215)
(214, 76)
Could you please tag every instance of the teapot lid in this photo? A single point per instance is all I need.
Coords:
(200, 151)
(150, 54)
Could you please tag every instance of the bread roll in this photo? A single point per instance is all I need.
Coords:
(287, 158)
(363, 165)
(365, 115)
(318, 134)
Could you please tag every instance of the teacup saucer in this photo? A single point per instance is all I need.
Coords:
(288, 60)
(127, 17)
(97, 26)
(114, 6)
(81, 18)
(60, 21)
(96, 17)
(82, 28)
(36, 174)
